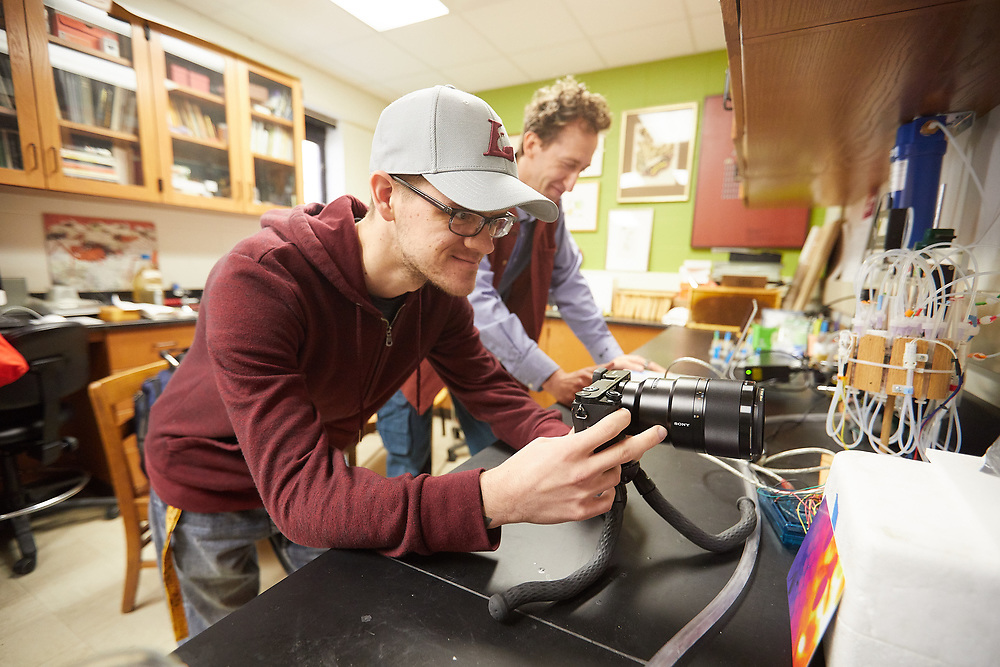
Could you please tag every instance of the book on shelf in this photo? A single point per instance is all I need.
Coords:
(103, 101)
(190, 119)
(130, 121)
(110, 165)
(270, 140)
(86, 100)
(117, 107)
(88, 154)
(91, 102)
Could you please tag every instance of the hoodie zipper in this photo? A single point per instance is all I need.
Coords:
(388, 330)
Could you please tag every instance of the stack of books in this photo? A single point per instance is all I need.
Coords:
(96, 163)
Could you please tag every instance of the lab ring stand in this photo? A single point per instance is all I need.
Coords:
(502, 605)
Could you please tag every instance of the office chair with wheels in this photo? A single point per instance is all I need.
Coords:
(32, 411)
(117, 426)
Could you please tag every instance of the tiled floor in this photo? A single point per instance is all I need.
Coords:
(68, 611)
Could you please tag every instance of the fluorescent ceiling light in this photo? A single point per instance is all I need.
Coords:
(385, 15)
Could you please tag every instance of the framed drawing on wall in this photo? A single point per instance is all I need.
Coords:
(579, 205)
(657, 147)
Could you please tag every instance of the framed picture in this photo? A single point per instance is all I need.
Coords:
(96, 254)
(630, 237)
(657, 148)
(580, 207)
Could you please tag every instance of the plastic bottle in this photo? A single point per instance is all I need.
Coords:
(147, 286)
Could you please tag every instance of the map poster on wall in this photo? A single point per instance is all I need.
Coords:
(96, 254)
(720, 216)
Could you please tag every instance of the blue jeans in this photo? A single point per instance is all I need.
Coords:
(406, 435)
(215, 556)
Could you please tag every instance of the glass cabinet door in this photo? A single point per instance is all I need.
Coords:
(276, 130)
(20, 147)
(94, 111)
(195, 89)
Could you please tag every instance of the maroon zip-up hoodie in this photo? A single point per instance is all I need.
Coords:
(290, 359)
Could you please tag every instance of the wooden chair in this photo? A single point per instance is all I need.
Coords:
(112, 400)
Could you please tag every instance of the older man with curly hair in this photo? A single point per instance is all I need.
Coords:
(534, 264)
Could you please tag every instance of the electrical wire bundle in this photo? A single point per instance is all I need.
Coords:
(899, 369)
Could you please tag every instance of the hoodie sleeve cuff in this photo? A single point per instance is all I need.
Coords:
(452, 514)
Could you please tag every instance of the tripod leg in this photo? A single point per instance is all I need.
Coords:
(502, 604)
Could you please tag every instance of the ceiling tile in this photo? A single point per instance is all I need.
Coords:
(558, 60)
(702, 7)
(485, 75)
(515, 26)
(443, 41)
(707, 33)
(596, 17)
(655, 42)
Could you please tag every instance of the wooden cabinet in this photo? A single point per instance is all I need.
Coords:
(197, 96)
(88, 126)
(107, 106)
(274, 127)
(93, 104)
(231, 131)
(20, 140)
(819, 89)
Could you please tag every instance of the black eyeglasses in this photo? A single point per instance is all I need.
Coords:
(467, 223)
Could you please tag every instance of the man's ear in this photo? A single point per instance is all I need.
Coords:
(530, 143)
(380, 183)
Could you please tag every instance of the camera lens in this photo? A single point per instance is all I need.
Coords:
(719, 417)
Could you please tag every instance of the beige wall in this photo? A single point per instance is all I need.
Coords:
(190, 241)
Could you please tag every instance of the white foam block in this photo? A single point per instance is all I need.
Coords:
(919, 545)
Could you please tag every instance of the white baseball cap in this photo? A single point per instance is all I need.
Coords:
(457, 142)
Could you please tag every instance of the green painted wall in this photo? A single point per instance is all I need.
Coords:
(672, 81)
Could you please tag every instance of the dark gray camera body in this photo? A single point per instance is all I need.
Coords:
(719, 417)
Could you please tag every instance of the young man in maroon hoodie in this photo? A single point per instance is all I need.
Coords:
(310, 325)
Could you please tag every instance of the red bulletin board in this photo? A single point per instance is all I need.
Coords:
(720, 217)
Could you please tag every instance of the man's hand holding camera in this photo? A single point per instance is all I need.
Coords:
(552, 480)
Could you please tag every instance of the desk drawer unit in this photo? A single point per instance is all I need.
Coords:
(137, 346)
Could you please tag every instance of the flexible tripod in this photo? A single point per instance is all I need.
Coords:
(503, 604)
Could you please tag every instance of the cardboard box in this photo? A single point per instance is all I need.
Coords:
(258, 93)
(179, 75)
(77, 32)
(199, 81)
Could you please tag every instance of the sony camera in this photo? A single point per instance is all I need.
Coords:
(719, 417)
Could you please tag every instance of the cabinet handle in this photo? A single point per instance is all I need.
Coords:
(165, 345)
(33, 148)
(55, 159)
